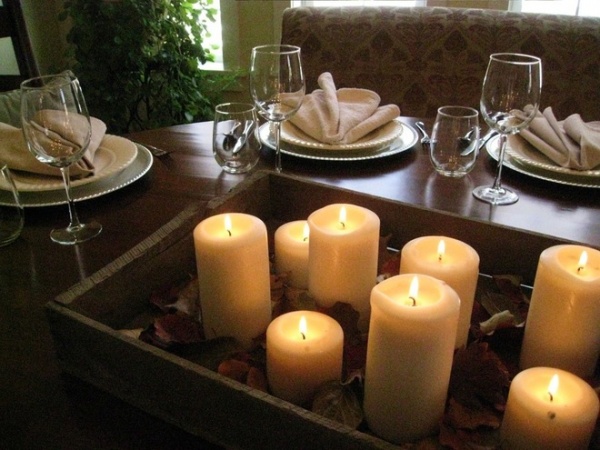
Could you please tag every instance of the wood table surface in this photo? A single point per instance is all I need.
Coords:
(42, 408)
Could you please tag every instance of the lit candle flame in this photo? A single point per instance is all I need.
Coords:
(553, 386)
(441, 250)
(302, 327)
(582, 261)
(228, 224)
(413, 290)
(343, 216)
(306, 232)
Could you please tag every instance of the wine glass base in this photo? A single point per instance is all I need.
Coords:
(77, 234)
(500, 196)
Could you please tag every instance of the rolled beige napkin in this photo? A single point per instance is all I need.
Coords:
(14, 151)
(341, 116)
(571, 143)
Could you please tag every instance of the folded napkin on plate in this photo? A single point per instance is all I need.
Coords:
(571, 143)
(341, 116)
(14, 152)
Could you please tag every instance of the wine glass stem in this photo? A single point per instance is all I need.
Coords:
(74, 223)
(497, 181)
(277, 148)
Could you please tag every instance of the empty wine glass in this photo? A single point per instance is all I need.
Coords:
(277, 86)
(57, 129)
(509, 101)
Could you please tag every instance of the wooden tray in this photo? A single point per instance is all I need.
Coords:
(85, 319)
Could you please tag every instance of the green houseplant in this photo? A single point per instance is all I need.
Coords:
(139, 61)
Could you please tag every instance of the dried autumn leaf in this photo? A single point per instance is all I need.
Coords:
(182, 296)
(461, 417)
(178, 328)
(256, 379)
(347, 317)
(234, 369)
(479, 378)
(338, 402)
(300, 300)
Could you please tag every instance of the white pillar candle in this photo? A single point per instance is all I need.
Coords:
(549, 409)
(304, 351)
(449, 260)
(563, 323)
(343, 252)
(232, 259)
(291, 252)
(409, 356)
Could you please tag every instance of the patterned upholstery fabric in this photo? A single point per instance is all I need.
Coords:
(423, 58)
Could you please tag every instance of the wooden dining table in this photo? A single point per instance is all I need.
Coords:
(40, 407)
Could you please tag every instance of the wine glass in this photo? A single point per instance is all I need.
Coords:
(276, 85)
(509, 101)
(57, 130)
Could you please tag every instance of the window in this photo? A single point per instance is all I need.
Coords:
(589, 8)
(359, 2)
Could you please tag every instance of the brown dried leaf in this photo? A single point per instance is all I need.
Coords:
(178, 328)
(479, 378)
(234, 369)
(256, 379)
(338, 402)
(347, 317)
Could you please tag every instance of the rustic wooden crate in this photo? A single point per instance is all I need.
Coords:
(85, 319)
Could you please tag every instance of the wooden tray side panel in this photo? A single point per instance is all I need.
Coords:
(120, 291)
(502, 250)
(193, 398)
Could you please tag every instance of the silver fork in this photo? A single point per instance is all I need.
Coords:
(425, 140)
(158, 152)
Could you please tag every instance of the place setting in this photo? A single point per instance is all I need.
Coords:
(106, 162)
(565, 152)
(346, 124)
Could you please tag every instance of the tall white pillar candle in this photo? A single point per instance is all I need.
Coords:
(449, 260)
(343, 252)
(409, 356)
(549, 409)
(232, 259)
(291, 252)
(304, 351)
(563, 323)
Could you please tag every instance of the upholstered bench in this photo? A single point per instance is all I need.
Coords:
(422, 58)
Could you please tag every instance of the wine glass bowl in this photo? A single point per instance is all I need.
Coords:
(277, 86)
(510, 99)
(57, 130)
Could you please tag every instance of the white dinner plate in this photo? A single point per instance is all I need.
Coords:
(405, 139)
(522, 151)
(375, 140)
(134, 171)
(540, 173)
(114, 154)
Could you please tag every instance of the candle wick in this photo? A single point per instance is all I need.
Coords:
(303, 335)
(440, 257)
(551, 396)
(343, 225)
(414, 300)
(229, 232)
(579, 269)
(305, 239)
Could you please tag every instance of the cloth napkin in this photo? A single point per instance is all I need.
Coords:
(571, 143)
(14, 151)
(341, 116)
